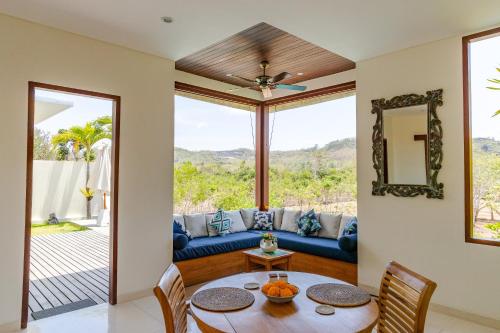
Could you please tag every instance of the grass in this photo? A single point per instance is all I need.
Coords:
(61, 228)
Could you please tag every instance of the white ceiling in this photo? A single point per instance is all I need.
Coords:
(356, 29)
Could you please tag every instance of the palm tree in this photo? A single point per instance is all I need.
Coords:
(81, 140)
(497, 82)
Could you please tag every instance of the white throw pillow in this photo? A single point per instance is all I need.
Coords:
(330, 225)
(238, 224)
(290, 218)
(345, 219)
(196, 224)
(278, 217)
(247, 216)
(211, 231)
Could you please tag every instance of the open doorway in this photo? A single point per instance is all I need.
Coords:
(71, 200)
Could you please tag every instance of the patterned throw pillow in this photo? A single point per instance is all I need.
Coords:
(179, 229)
(308, 224)
(351, 227)
(263, 221)
(220, 223)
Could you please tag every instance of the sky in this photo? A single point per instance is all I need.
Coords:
(484, 59)
(205, 126)
(84, 109)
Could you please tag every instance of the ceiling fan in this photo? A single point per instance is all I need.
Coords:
(266, 82)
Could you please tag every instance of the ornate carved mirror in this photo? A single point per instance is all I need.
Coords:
(407, 145)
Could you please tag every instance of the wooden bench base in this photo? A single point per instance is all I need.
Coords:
(204, 269)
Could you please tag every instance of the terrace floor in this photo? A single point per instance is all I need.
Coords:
(68, 272)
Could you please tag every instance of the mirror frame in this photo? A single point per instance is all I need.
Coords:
(433, 189)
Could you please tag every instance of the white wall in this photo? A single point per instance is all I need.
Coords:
(426, 235)
(145, 83)
(56, 189)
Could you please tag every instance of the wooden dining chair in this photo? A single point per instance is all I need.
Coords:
(403, 300)
(172, 297)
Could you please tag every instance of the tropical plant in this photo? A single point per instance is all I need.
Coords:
(495, 82)
(42, 148)
(80, 140)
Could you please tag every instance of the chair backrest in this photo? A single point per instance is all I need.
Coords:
(172, 297)
(403, 300)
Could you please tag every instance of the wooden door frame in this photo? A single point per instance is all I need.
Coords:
(115, 154)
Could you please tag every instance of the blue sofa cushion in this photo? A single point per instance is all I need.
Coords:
(207, 246)
(308, 224)
(349, 243)
(179, 229)
(180, 241)
(323, 247)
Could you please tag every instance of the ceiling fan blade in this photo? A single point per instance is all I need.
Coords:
(290, 87)
(267, 92)
(281, 76)
(241, 78)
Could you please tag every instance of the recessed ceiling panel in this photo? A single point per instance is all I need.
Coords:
(242, 53)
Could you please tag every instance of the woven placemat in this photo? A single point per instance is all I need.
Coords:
(338, 294)
(223, 299)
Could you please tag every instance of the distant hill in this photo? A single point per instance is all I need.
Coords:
(335, 153)
(486, 145)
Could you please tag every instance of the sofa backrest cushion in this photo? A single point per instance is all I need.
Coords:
(330, 225)
(196, 224)
(290, 218)
(277, 217)
(247, 216)
(238, 224)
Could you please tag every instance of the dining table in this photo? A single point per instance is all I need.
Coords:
(299, 315)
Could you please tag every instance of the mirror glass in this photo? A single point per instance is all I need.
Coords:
(405, 145)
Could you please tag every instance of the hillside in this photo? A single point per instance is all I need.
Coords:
(338, 153)
(334, 154)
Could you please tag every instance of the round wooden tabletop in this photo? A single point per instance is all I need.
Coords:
(297, 316)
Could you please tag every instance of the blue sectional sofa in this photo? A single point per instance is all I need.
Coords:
(209, 257)
(207, 246)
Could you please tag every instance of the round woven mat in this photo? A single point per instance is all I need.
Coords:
(223, 299)
(338, 294)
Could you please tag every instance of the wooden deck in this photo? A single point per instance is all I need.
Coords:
(68, 268)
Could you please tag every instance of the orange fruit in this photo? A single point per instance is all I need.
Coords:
(273, 291)
(265, 287)
(285, 292)
(293, 288)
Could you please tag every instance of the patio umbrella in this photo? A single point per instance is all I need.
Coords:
(100, 179)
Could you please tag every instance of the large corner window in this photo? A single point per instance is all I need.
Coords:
(214, 155)
(312, 155)
(482, 137)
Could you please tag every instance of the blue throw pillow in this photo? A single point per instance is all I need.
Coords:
(179, 229)
(263, 220)
(351, 227)
(180, 241)
(349, 243)
(221, 223)
(308, 224)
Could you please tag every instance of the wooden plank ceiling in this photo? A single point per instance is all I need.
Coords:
(242, 53)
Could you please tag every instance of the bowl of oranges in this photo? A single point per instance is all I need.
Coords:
(279, 291)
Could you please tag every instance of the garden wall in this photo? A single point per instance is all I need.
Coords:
(56, 189)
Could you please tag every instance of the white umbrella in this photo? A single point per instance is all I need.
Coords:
(100, 179)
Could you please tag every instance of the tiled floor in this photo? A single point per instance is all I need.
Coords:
(144, 316)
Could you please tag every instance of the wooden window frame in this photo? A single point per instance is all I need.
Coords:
(115, 153)
(262, 125)
(469, 223)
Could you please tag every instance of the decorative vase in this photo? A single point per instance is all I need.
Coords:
(268, 245)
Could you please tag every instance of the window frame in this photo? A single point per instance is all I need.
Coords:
(469, 222)
(262, 125)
